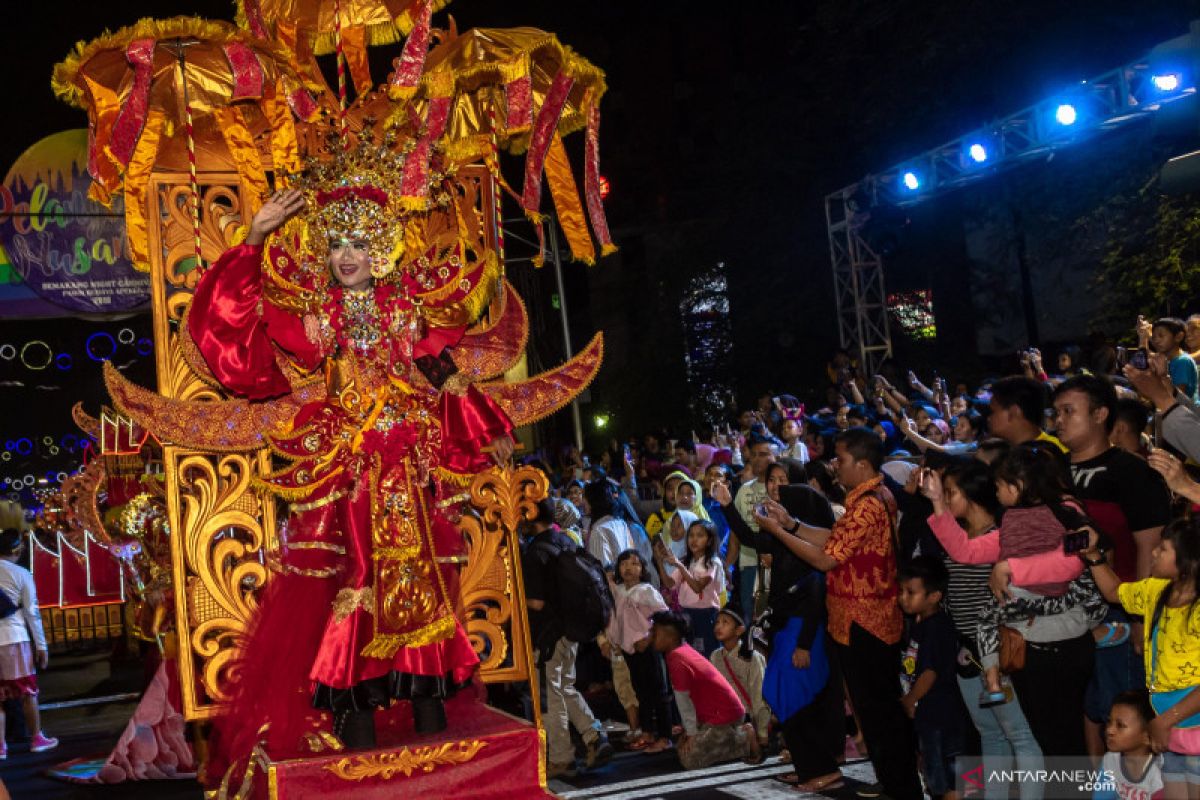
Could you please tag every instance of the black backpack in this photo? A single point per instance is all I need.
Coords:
(7, 606)
(584, 600)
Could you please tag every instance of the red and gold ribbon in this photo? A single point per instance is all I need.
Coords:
(411, 64)
(518, 97)
(591, 183)
(248, 76)
(132, 119)
(414, 185)
(539, 140)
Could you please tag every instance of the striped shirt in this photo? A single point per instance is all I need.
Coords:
(967, 596)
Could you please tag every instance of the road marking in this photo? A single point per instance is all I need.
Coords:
(720, 769)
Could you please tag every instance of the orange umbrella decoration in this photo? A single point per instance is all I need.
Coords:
(143, 83)
(521, 90)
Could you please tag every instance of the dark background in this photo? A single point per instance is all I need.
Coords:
(724, 127)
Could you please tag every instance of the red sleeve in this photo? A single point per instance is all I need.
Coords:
(470, 421)
(235, 339)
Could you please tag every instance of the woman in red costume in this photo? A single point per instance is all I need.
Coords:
(359, 614)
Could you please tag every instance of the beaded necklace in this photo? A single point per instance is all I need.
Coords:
(361, 320)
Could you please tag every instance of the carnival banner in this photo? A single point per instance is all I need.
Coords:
(66, 248)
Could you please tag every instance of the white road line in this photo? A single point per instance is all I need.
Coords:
(723, 769)
(639, 789)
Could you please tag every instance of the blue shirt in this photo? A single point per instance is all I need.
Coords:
(1183, 373)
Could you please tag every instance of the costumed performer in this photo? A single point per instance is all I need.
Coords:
(360, 613)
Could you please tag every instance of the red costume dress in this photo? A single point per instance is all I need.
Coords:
(360, 613)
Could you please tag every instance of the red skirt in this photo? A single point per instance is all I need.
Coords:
(17, 677)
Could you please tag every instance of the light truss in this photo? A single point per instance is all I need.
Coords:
(1110, 100)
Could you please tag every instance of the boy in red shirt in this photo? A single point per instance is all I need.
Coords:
(714, 725)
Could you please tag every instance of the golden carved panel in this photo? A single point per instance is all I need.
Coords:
(493, 592)
(222, 528)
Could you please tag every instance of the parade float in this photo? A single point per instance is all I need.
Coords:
(194, 125)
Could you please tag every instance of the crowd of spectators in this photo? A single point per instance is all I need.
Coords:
(902, 572)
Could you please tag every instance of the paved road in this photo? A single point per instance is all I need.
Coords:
(87, 732)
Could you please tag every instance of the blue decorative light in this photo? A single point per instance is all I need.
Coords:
(911, 181)
(1065, 114)
(112, 346)
(978, 153)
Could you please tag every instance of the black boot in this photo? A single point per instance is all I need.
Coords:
(429, 714)
(355, 728)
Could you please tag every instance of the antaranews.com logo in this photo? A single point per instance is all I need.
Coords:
(1060, 778)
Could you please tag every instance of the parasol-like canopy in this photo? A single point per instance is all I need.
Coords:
(522, 90)
(308, 28)
(182, 77)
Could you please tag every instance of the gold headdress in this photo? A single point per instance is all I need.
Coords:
(356, 195)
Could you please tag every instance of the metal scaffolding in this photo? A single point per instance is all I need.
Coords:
(1113, 99)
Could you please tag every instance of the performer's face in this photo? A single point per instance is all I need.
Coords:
(350, 263)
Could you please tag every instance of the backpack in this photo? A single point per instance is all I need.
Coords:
(7, 606)
(582, 587)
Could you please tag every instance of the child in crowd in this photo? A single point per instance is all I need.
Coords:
(688, 496)
(712, 714)
(744, 668)
(1031, 484)
(699, 578)
(638, 672)
(929, 673)
(1135, 769)
(659, 518)
(22, 642)
(792, 434)
(1169, 600)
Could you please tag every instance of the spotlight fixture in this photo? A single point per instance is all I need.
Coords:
(978, 153)
(911, 181)
(1065, 114)
(1168, 82)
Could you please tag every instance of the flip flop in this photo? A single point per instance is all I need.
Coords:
(821, 786)
(1117, 634)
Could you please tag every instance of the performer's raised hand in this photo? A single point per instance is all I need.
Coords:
(501, 449)
(279, 208)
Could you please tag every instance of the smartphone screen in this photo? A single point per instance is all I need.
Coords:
(1075, 541)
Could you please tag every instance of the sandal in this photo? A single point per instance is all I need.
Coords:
(658, 746)
(640, 743)
(1115, 635)
(823, 784)
(790, 778)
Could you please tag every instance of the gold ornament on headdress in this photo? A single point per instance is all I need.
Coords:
(355, 196)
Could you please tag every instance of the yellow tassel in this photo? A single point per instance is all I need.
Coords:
(608, 250)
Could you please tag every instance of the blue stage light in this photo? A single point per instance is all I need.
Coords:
(978, 153)
(1065, 114)
(911, 181)
(1166, 83)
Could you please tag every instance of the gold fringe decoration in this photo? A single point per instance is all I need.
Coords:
(385, 646)
(137, 179)
(232, 123)
(565, 192)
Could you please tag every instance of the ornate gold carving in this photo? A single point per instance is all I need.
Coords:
(388, 765)
(216, 558)
(493, 598)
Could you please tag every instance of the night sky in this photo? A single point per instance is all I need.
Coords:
(725, 126)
